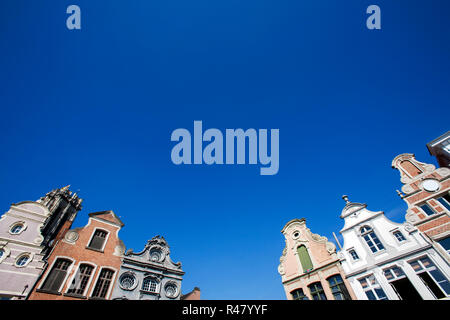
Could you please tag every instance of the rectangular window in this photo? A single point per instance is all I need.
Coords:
(338, 288)
(445, 201)
(103, 283)
(354, 254)
(81, 279)
(372, 289)
(98, 240)
(399, 236)
(317, 292)
(445, 243)
(427, 209)
(57, 275)
(431, 276)
(298, 294)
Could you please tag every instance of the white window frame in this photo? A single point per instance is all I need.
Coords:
(110, 286)
(75, 273)
(92, 236)
(24, 227)
(30, 258)
(372, 287)
(69, 270)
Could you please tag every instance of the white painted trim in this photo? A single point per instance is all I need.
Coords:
(90, 278)
(16, 223)
(104, 242)
(30, 256)
(111, 285)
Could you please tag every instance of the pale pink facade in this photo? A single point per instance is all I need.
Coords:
(322, 253)
(16, 280)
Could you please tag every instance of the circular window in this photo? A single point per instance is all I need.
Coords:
(127, 281)
(17, 228)
(295, 234)
(23, 260)
(155, 255)
(171, 290)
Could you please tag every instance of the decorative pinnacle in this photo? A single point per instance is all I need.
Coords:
(345, 199)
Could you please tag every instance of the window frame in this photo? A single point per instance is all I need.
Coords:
(345, 293)
(157, 287)
(446, 204)
(352, 250)
(22, 255)
(433, 212)
(88, 246)
(69, 269)
(398, 231)
(91, 278)
(317, 292)
(371, 234)
(426, 269)
(97, 278)
(303, 296)
(372, 287)
(16, 224)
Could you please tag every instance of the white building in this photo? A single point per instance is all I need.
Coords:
(384, 260)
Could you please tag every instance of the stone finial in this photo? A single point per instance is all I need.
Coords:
(345, 199)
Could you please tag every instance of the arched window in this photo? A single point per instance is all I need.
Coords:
(57, 275)
(399, 236)
(371, 239)
(98, 239)
(103, 283)
(81, 279)
(317, 292)
(298, 294)
(338, 288)
(150, 285)
(305, 259)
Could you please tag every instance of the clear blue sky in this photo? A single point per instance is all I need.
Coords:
(95, 109)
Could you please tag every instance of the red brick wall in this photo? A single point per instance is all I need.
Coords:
(79, 252)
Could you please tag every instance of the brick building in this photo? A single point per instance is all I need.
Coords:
(84, 262)
(27, 232)
(426, 192)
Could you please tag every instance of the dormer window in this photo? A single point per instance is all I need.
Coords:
(371, 239)
(98, 240)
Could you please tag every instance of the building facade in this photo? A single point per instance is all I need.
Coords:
(384, 260)
(27, 232)
(440, 148)
(150, 274)
(84, 263)
(309, 266)
(426, 191)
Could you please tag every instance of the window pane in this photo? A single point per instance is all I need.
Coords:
(445, 243)
(444, 203)
(441, 280)
(427, 209)
(380, 294)
(371, 295)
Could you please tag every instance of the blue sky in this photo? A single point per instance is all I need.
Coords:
(95, 108)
